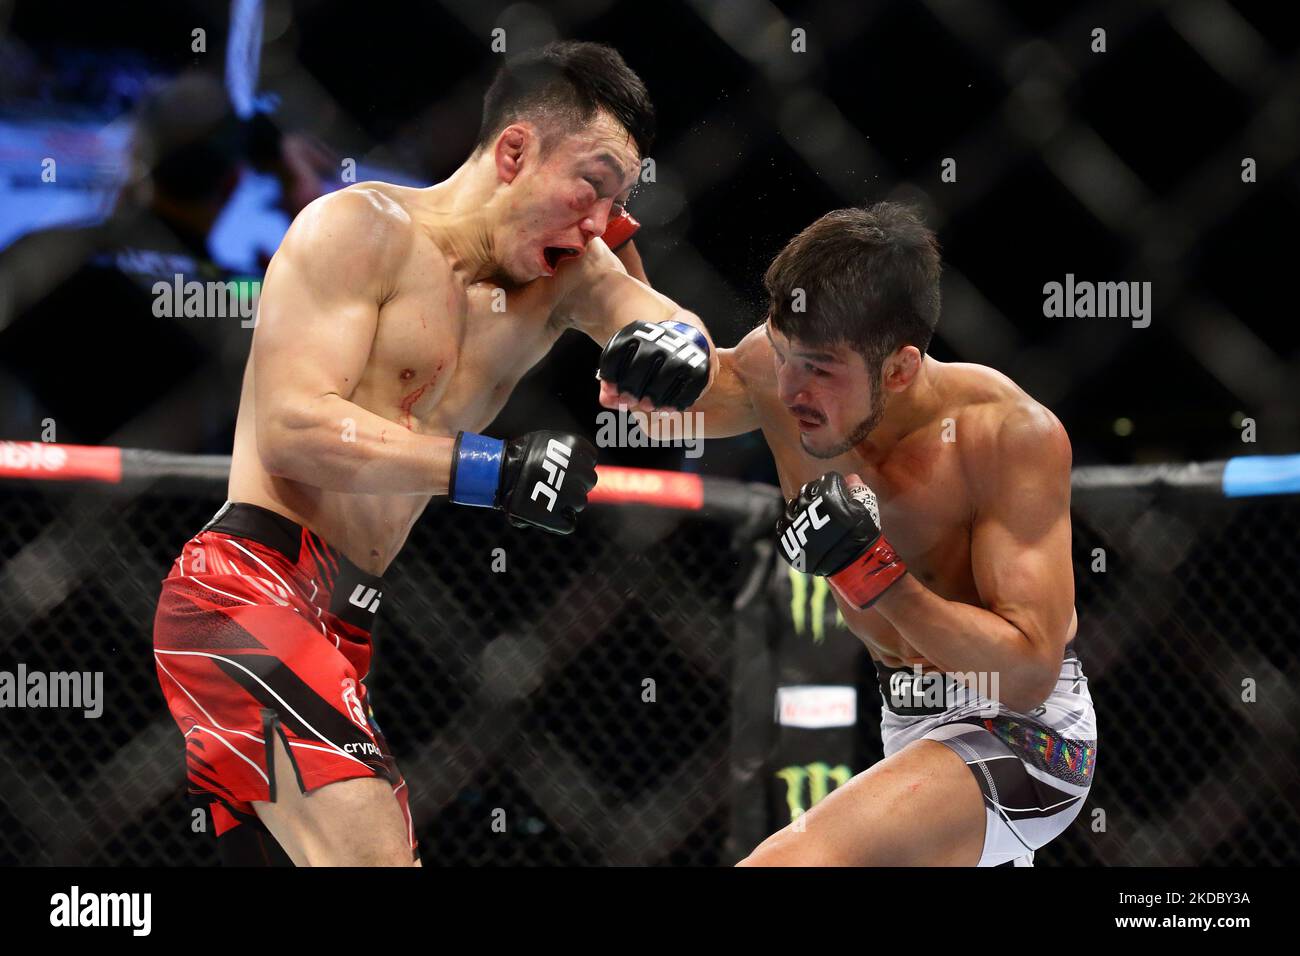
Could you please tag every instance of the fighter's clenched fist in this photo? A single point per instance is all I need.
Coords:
(666, 363)
(540, 480)
(832, 530)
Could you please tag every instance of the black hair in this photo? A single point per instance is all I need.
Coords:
(869, 279)
(562, 86)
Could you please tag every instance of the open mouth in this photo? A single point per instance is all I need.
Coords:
(805, 424)
(554, 255)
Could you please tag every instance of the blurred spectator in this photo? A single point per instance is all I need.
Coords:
(78, 333)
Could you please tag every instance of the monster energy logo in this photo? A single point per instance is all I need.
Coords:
(801, 606)
(818, 776)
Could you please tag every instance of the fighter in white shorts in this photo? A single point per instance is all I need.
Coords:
(967, 606)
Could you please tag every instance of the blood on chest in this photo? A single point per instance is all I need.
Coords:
(420, 390)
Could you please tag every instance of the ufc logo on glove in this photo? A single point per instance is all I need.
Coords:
(796, 536)
(833, 531)
(555, 465)
(513, 475)
(679, 343)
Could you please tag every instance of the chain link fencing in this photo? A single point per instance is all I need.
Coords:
(1187, 638)
(612, 691)
(582, 688)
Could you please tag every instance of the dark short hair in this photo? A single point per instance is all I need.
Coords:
(187, 137)
(562, 86)
(870, 280)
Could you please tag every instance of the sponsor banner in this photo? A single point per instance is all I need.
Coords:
(664, 489)
(817, 706)
(48, 461)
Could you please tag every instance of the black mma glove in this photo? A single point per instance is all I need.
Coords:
(540, 480)
(666, 362)
(833, 531)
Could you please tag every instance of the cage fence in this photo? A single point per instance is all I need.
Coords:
(610, 695)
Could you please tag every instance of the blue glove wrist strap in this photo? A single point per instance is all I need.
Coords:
(691, 332)
(476, 470)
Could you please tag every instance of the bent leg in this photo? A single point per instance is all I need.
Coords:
(356, 822)
(918, 807)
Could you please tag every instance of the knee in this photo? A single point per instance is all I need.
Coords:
(361, 825)
(379, 852)
(381, 856)
(791, 850)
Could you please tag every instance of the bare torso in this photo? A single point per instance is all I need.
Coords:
(443, 360)
(922, 484)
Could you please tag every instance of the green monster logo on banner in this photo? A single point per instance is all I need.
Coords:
(801, 606)
(818, 776)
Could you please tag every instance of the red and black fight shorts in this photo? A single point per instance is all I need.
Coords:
(263, 629)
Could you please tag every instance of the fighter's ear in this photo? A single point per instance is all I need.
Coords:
(901, 368)
(511, 146)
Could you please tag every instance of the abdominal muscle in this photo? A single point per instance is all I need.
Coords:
(368, 529)
(881, 638)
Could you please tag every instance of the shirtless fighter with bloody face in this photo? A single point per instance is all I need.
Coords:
(393, 325)
(935, 497)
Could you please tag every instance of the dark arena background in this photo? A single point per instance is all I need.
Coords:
(1105, 141)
